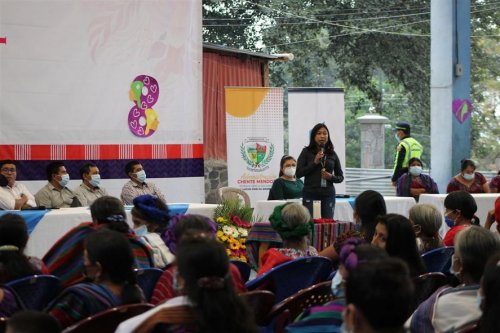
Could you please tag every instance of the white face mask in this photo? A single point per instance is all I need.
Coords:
(396, 136)
(141, 231)
(415, 170)
(290, 171)
(141, 176)
(468, 176)
(452, 270)
(337, 290)
(95, 180)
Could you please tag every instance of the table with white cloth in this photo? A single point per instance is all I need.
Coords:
(343, 207)
(47, 226)
(484, 201)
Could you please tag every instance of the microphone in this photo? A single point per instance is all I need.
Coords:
(322, 149)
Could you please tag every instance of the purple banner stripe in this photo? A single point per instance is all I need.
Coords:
(115, 169)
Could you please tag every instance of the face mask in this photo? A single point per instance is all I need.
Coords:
(336, 288)
(449, 222)
(479, 300)
(452, 271)
(64, 180)
(396, 136)
(468, 176)
(141, 231)
(141, 176)
(289, 172)
(95, 180)
(416, 170)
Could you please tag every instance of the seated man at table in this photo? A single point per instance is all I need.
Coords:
(55, 194)
(14, 195)
(137, 185)
(89, 189)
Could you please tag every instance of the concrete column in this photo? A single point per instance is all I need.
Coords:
(450, 88)
(372, 141)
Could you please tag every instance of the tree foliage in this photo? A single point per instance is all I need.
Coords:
(378, 50)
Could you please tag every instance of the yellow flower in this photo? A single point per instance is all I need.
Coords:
(243, 258)
(220, 219)
(219, 234)
(228, 251)
(223, 238)
(234, 245)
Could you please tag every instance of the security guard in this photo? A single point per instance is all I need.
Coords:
(407, 148)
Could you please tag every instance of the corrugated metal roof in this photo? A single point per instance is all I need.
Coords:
(232, 50)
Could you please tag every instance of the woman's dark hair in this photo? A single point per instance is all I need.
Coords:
(462, 201)
(368, 205)
(204, 266)
(151, 209)
(109, 211)
(382, 291)
(355, 251)
(402, 242)
(30, 321)
(413, 159)
(283, 160)
(13, 238)
(465, 163)
(113, 252)
(490, 285)
(186, 225)
(313, 146)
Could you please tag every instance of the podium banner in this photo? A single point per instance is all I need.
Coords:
(254, 127)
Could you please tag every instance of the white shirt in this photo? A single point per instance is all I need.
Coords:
(131, 324)
(8, 196)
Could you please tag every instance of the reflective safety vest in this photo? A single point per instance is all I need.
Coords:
(413, 148)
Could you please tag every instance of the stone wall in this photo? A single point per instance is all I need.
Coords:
(215, 177)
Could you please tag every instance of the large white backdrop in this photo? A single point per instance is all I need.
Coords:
(66, 75)
(309, 106)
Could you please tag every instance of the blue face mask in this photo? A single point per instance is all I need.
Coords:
(449, 222)
(141, 231)
(64, 180)
(337, 290)
(95, 180)
(141, 176)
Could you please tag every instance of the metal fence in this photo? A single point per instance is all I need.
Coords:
(359, 180)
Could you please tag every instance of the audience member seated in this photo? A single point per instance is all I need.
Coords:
(449, 309)
(55, 194)
(378, 297)
(182, 226)
(426, 220)
(108, 264)
(394, 234)
(8, 303)
(150, 218)
(137, 185)
(460, 208)
(367, 206)
(489, 294)
(494, 216)
(65, 257)
(29, 321)
(328, 317)
(90, 189)
(14, 264)
(414, 182)
(210, 297)
(14, 195)
(287, 186)
(468, 179)
(293, 223)
(495, 184)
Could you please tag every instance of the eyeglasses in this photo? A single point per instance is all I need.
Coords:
(8, 169)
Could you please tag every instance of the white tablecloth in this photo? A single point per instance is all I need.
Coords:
(484, 202)
(343, 209)
(57, 222)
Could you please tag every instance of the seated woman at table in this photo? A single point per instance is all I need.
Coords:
(293, 223)
(180, 227)
(150, 217)
(14, 264)
(287, 186)
(108, 263)
(210, 303)
(394, 234)
(367, 206)
(413, 183)
(493, 216)
(65, 257)
(460, 208)
(468, 179)
(495, 184)
(426, 220)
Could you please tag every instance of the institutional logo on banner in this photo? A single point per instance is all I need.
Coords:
(254, 126)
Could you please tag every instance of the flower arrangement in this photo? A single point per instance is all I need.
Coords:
(232, 227)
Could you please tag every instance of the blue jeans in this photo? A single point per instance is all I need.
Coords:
(327, 204)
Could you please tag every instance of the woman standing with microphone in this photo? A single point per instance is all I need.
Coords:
(320, 166)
